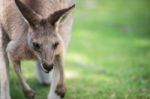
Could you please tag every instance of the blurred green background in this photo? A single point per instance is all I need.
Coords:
(108, 56)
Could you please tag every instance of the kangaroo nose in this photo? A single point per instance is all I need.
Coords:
(47, 68)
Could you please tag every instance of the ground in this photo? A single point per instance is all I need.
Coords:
(108, 56)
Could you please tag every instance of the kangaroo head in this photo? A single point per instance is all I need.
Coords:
(43, 37)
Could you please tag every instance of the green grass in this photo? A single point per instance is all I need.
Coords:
(108, 56)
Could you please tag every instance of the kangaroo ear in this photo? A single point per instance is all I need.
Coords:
(31, 16)
(60, 15)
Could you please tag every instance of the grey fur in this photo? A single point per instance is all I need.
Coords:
(20, 29)
(43, 77)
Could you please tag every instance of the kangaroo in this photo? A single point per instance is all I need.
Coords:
(37, 30)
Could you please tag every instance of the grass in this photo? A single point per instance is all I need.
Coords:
(108, 56)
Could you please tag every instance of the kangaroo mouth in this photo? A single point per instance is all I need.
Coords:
(46, 69)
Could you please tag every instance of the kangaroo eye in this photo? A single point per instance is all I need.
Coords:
(55, 45)
(36, 46)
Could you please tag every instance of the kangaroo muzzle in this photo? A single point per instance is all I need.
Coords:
(46, 67)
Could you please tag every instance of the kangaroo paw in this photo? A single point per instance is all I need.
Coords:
(60, 90)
